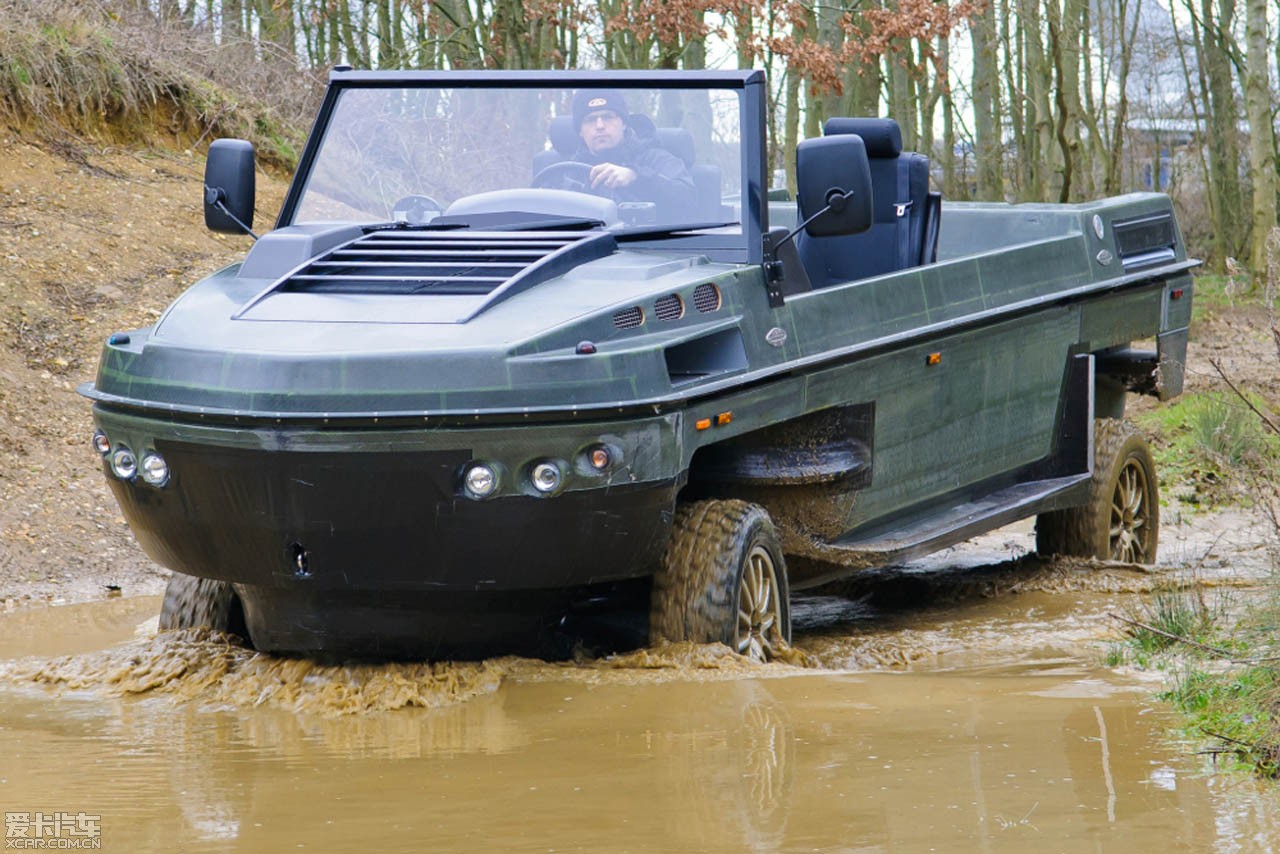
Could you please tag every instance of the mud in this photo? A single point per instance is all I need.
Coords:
(956, 704)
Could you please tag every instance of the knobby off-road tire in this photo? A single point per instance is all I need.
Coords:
(723, 579)
(191, 602)
(1121, 521)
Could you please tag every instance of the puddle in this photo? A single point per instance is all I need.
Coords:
(934, 709)
(1057, 756)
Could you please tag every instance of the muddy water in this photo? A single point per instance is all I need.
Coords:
(947, 711)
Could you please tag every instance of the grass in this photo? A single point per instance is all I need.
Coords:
(1204, 442)
(1213, 293)
(1221, 676)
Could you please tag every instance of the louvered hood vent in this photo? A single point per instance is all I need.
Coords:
(491, 265)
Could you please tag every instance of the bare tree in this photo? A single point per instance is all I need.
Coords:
(1262, 144)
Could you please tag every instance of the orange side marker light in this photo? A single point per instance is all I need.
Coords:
(702, 424)
(723, 418)
(933, 359)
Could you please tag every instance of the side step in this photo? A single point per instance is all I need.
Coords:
(952, 524)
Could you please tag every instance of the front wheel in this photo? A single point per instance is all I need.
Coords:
(1121, 521)
(723, 579)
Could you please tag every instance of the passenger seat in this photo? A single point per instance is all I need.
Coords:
(906, 214)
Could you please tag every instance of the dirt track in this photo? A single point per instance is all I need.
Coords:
(91, 241)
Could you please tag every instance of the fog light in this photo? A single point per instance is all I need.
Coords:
(101, 443)
(124, 463)
(155, 470)
(546, 477)
(599, 458)
(481, 480)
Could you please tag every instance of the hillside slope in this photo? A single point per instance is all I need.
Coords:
(92, 240)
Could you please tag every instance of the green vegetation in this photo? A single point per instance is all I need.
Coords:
(1222, 656)
(84, 70)
(1214, 292)
(1224, 674)
(1206, 441)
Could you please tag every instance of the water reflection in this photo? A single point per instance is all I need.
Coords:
(960, 760)
(1001, 735)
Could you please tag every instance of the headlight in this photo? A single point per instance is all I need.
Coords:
(481, 480)
(101, 443)
(155, 470)
(546, 477)
(599, 457)
(124, 463)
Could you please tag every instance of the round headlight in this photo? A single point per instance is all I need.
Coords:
(155, 470)
(599, 457)
(546, 477)
(481, 480)
(101, 443)
(124, 463)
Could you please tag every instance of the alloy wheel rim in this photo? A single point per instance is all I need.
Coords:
(1130, 515)
(759, 631)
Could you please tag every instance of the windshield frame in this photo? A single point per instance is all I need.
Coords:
(746, 247)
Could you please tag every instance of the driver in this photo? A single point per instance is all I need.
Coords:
(625, 166)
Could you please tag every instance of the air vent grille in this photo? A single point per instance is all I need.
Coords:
(394, 261)
(1147, 240)
(629, 318)
(670, 307)
(706, 297)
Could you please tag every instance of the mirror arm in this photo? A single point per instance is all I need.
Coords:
(836, 201)
(214, 196)
(773, 272)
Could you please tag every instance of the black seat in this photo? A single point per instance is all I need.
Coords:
(904, 233)
(678, 141)
(564, 142)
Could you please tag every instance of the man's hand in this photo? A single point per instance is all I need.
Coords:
(611, 176)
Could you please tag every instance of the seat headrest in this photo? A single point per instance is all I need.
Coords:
(882, 136)
(679, 142)
(642, 126)
(563, 135)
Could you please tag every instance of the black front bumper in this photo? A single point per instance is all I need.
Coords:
(369, 552)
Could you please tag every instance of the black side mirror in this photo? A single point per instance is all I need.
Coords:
(229, 187)
(834, 179)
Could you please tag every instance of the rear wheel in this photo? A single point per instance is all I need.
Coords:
(1121, 521)
(723, 579)
(191, 602)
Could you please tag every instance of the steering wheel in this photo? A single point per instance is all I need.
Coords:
(417, 209)
(565, 175)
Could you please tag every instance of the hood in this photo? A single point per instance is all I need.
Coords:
(398, 322)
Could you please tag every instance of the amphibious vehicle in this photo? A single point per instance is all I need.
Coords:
(458, 396)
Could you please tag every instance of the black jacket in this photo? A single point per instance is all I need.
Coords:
(661, 177)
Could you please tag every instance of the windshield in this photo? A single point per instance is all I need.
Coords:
(625, 157)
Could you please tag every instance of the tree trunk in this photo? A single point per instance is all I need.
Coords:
(1021, 118)
(1262, 166)
(1223, 136)
(986, 95)
(1065, 26)
(791, 129)
(950, 186)
(232, 19)
(1128, 34)
(277, 24)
